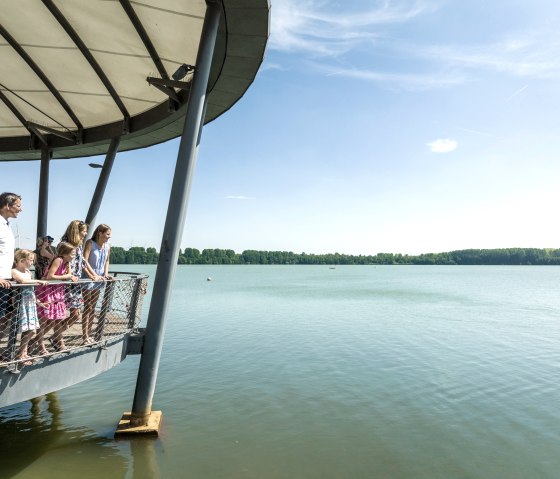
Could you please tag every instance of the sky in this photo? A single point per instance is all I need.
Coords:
(408, 126)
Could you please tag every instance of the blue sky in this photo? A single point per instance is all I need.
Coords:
(373, 126)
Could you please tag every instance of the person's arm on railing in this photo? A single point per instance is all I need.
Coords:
(61, 277)
(106, 271)
(23, 279)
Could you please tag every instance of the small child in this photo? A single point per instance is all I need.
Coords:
(28, 320)
(52, 306)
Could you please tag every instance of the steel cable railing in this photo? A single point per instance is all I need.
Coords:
(41, 321)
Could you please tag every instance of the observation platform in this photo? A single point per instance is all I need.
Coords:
(86, 78)
(115, 333)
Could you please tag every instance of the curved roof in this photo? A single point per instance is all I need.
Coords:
(76, 74)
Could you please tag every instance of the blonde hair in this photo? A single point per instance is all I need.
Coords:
(72, 234)
(22, 254)
(64, 248)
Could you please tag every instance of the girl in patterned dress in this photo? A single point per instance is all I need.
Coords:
(52, 302)
(28, 320)
(75, 235)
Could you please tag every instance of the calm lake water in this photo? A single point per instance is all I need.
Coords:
(310, 372)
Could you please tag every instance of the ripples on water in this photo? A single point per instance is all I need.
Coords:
(307, 372)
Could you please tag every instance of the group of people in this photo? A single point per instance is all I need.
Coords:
(51, 306)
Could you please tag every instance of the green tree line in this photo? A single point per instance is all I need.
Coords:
(505, 256)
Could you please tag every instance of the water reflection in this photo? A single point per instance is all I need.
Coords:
(35, 443)
(143, 455)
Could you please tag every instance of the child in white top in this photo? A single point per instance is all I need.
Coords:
(28, 321)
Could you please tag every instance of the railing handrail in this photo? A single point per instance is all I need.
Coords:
(15, 284)
(131, 273)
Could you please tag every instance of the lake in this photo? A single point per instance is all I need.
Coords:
(312, 372)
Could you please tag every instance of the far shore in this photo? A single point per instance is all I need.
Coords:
(193, 256)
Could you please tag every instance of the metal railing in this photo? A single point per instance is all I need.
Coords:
(60, 317)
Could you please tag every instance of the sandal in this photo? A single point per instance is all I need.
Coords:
(25, 361)
(58, 347)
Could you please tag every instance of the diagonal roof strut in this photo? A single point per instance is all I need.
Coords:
(25, 56)
(149, 47)
(65, 24)
(144, 37)
(21, 118)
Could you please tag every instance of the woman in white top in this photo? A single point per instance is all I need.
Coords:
(96, 253)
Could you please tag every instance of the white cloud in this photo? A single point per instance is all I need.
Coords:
(239, 197)
(403, 81)
(442, 145)
(517, 92)
(307, 26)
(326, 30)
(527, 54)
(476, 132)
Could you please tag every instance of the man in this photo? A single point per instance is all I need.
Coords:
(10, 207)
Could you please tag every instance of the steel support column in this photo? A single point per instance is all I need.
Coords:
(175, 220)
(102, 183)
(43, 206)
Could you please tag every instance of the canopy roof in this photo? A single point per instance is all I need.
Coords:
(77, 73)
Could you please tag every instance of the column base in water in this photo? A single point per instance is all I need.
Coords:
(151, 427)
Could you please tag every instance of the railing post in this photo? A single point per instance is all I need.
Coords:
(133, 308)
(106, 304)
(175, 220)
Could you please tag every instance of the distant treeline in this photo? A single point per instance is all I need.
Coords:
(506, 256)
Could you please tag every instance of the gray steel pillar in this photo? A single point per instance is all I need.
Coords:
(43, 207)
(175, 220)
(102, 183)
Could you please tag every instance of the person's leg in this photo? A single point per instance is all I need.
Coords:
(45, 327)
(75, 316)
(23, 344)
(62, 325)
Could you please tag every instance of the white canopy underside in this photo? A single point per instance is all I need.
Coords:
(105, 28)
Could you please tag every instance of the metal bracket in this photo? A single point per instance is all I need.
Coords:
(168, 91)
(32, 142)
(172, 105)
(126, 125)
(37, 133)
(135, 342)
(62, 134)
(13, 369)
(168, 82)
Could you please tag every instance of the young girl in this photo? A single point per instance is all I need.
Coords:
(75, 235)
(52, 303)
(96, 253)
(28, 321)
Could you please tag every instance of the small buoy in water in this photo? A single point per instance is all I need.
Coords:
(209, 278)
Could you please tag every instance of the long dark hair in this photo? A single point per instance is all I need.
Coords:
(102, 228)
